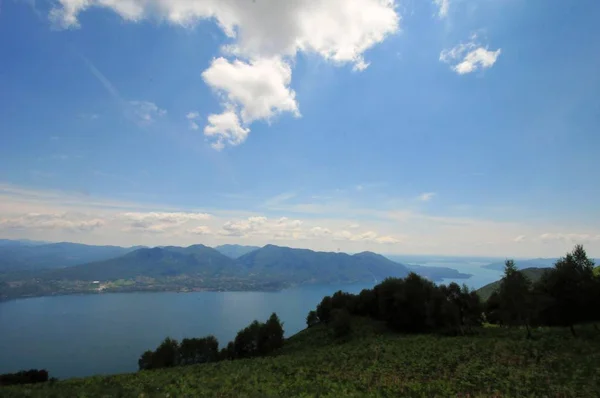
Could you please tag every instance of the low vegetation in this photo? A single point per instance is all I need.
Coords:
(371, 361)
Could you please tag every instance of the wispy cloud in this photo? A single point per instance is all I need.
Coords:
(107, 84)
(426, 196)
(192, 117)
(469, 57)
(278, 200)
(443, 7)
(146, 112)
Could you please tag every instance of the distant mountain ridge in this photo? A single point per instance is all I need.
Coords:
(274, 263)
(35, 256)
(235, 251)
(530, 263)
(534, 274)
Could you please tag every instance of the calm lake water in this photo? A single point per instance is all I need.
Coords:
(74, 336)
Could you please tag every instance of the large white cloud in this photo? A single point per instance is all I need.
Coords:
(259, 87)
(265, 36)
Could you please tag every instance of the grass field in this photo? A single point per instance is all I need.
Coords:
(373, 362)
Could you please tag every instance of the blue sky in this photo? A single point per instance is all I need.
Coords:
(446, 127)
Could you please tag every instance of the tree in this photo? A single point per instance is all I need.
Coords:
(312, 319)
(31, 376)
(492, 309)
(341, 323)
(270, 336)
(166, 355)
(366, 303)
(228, 352)
(146, 361)
(409, 305)
(568, 291)
(202, 350)
(515, 297)
(245, 344)
(324, 309)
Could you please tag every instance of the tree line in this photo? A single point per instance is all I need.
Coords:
(567, 294)
(409, 305)
(256, 339)
(31, 376)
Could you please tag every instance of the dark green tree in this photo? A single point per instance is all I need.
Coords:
(246, 343)
(228, 352)
(409, 305)
(366, 303)
(166, 355)
(146, 361)
(516, 297)
(270, 336)
(202, 350)
(341, 322)
(492, 309)
(568, 291)
(324, 309)
(312, 319)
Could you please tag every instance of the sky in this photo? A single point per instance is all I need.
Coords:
(456, 127)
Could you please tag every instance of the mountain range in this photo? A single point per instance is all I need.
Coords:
(29, 269)
(20, 255)
(273, 263)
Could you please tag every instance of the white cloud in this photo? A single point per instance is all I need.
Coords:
(266, 36)
(200, 230)
(368, 236)
(469, 57)
(319, 232)
(159, 222)
(243, 227)
(146, 112)
(259, 88)
(426, 196)
(226, 128)
(520, 238)
(569, 238)
(52, 221)
(443, 6)
(192, 117)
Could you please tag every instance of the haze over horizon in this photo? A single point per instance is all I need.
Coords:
(399, 127)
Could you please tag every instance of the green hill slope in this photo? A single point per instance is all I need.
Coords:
(370, 362)
(534, 274)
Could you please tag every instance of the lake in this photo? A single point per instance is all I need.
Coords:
(75, 336)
